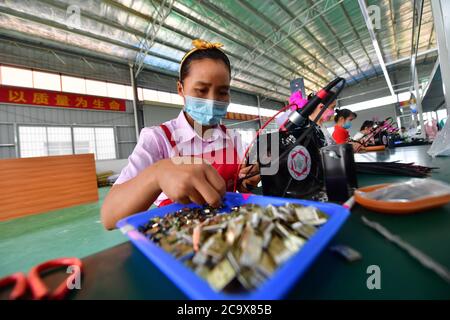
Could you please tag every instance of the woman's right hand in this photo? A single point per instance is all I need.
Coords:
(188, 179)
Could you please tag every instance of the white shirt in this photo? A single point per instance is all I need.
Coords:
(358, 136)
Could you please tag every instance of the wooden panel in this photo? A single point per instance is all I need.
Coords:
(40, 184)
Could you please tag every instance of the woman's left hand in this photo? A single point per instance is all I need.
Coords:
(253, 171)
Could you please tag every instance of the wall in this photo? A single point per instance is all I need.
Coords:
(156, 114)
(51, 57)
(11, 114)
(83, 64)
(114, 165)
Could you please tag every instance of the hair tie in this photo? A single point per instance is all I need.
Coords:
(200, 44)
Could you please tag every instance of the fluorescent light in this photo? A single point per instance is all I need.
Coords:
(368, 20)
(240, 108)
(374, 103)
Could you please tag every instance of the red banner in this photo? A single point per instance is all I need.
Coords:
(37, 97)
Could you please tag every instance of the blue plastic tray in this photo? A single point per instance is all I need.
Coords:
(273, 288)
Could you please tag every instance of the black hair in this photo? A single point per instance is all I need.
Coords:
(345, 113)
(403, 128)
(213, 53)
(366, 124)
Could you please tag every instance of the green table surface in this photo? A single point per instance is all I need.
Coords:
(122, 272)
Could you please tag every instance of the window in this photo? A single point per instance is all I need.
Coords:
(96, 88)
(36, 141)
(59, 141)
(129, 92)
(52, 81)
(164, 97)
(106, 146)
(99, 141)
(116, 90)
(442, 114)
(84, 140)
(16, 77)
(150, 95)
(140, 93)
(73, 84)
(44, 141)
(244, 109)
(176, 99)
(47, 81)
(33, 141)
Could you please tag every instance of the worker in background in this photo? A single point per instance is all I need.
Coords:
(364, 134)
(186, 159)
(404, 135)
(343, 120)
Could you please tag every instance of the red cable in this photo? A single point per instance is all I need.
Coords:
(254, 139)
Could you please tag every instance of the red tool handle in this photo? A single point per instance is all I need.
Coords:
(20, 285)
(40, 290)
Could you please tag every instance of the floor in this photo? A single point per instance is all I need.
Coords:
(70, 232)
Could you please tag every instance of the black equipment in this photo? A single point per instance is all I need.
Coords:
(340, 171)
(296, 169)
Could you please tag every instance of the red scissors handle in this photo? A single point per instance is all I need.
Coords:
(38, 287)
(20, 285)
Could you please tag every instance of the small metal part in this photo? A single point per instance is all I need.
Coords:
(346, 252)
(239, 250)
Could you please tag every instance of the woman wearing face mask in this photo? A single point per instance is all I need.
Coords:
(188, 159)
(343, 119)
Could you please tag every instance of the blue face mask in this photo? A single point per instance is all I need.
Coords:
(205, 111)
(347, 125)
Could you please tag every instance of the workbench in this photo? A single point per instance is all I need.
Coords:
(122, 272)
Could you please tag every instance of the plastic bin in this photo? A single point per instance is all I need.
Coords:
(275, 287)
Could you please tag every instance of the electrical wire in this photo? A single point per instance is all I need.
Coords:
(244, 159)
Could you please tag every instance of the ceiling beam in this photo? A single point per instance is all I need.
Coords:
(365, 13)
(190, 37)
(358, 37)
(275, 26)
(312, 37)
(208, 27)
(293, 26)
(54, 24)
(341, 45)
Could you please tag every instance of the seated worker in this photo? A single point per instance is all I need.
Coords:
(363, 134)
(343, 119)
(403, 133)
(188, 159)
(321, 131)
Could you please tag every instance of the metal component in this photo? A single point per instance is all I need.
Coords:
(292, 27)
(442, 24)
(112, 29)
(421, 257)
(135, 101)
(417, 21)
(346, 252)
(255, 243)
(160, 15)
(365, 13)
